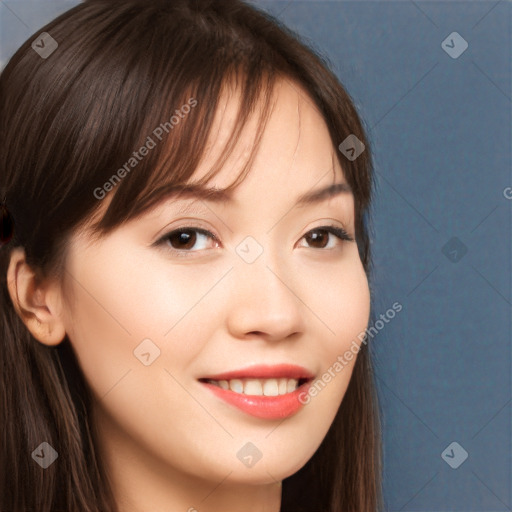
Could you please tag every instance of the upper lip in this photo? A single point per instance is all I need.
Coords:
(289, 371)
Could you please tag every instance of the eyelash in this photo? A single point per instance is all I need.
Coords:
(337, 231)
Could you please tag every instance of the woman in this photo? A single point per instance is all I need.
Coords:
(188, 269)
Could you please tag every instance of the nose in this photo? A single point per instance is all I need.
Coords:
(264, 302)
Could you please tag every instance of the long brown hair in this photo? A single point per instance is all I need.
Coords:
(69, 122)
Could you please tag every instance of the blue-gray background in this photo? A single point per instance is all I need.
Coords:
(440, 131)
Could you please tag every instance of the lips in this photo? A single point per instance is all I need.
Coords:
(269, 392)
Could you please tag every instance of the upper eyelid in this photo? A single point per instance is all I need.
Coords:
(195, 223)
(203, 231)
(187, 224)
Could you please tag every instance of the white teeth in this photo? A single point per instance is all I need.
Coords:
(292, 385)
(259, 387)
(253, 387)
(236, 386)
(270, 388)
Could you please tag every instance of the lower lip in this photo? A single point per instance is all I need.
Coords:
(266, 407)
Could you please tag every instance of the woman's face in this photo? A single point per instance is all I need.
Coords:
(252, 281)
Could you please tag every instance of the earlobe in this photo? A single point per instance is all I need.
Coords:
(37, 303)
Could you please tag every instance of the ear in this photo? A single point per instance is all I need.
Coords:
(38, 303)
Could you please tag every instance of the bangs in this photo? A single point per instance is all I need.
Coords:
(129, 107)
(176, 145)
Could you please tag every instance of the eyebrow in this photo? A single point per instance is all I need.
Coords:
(218, 195)
(322, 194)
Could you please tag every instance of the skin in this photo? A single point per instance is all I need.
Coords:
(168, 443)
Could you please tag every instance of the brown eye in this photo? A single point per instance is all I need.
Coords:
(185, 239)
(318, 238)
(188, 239)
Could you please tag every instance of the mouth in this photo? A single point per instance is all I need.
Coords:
(268, 392)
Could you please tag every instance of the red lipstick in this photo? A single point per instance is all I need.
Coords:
(266, 407)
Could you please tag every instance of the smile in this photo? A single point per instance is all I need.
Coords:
(267, 392)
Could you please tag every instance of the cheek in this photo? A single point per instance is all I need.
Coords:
(342, 305)
(116, 304)
(111, 311)
(109, 315)
(340, 299)
(352, 313)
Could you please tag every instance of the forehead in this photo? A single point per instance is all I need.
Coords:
(295, 151)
